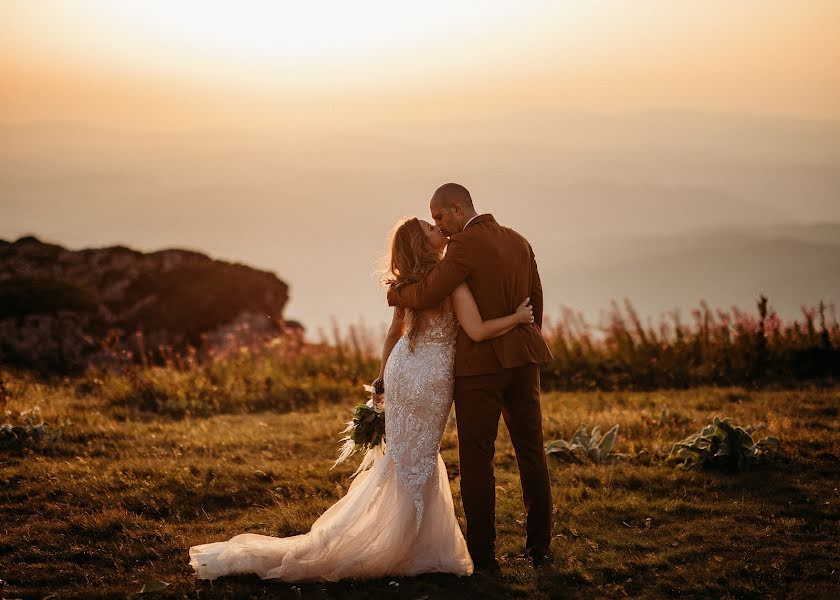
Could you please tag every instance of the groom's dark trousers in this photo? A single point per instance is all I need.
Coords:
(479, 400)
(496, 377)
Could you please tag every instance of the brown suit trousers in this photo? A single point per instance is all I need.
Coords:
(479, 400)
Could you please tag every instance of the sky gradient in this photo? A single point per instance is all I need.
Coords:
(291, 136)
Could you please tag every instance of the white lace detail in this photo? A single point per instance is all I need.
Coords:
(418, 399)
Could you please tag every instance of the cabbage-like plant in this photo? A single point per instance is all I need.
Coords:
(724, 446)
(31, 427)
(585, 447)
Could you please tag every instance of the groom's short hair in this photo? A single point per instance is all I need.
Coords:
(450, 192)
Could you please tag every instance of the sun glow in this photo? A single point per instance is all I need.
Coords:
(87, 56)
(302, 35)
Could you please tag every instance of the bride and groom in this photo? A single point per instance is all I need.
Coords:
(397, 517)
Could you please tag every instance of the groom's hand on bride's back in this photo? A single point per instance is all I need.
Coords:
(394, 297)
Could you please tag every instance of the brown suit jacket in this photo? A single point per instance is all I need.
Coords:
(498, 264)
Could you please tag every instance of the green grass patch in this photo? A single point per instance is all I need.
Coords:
(118, 499)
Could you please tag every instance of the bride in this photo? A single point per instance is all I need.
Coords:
(397, 518)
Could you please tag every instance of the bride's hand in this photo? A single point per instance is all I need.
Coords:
(524, 312)
(378, 399)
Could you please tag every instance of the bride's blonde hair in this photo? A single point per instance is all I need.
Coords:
(410, 257)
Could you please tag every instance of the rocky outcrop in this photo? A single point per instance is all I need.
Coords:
(62, 309)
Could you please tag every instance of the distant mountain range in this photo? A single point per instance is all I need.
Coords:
(792, 265)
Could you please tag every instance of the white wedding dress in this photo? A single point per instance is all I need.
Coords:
(397, 518)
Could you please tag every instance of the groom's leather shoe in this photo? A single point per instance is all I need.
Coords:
(488, 567)
(542, 559)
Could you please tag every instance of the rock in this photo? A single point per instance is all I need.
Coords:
(62, 309)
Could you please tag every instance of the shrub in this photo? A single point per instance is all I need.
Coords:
(717, 347)
(585, 447)
(233, 384)
(27, 428)
(723, 446)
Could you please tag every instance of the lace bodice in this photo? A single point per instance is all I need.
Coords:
(439, 328)
(418, 398)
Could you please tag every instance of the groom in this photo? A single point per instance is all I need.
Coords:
(494, 377)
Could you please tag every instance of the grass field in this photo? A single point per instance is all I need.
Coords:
(119, 498)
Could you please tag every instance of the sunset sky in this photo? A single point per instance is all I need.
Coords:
(291, 135)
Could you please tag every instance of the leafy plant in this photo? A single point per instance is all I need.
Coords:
(583, 446)
(26, 428)
(724, 446)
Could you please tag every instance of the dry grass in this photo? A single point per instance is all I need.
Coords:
(120, 498)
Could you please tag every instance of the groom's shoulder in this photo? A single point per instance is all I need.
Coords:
(512, 233)
(488, 230)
